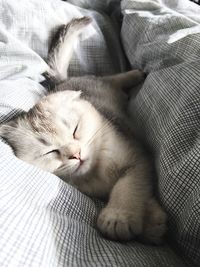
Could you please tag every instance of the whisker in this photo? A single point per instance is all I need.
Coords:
(64, 168)
(106, 124)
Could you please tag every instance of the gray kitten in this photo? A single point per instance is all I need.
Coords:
(81, 133)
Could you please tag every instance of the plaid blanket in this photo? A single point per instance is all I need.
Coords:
(46, 222)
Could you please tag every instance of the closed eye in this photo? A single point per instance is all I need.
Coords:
(52, 151)
(74, 133)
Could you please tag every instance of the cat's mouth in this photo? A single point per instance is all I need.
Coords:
(80, 164)
(82, 167)
(76, 166)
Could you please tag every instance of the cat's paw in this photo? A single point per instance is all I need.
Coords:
(118, 224)
(155, 226)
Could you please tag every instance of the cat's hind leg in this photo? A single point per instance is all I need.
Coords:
(126, 80)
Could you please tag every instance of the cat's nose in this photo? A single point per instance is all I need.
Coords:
(77, 155)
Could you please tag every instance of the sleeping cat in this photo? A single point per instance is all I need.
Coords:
(81, 133)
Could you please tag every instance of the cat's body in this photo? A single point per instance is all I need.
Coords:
(81, 133)
(114, 134)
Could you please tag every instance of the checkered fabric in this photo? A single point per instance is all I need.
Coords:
(167, 110)
(45, 222)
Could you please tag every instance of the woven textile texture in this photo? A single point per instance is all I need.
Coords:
(167, 110)
(44, 222)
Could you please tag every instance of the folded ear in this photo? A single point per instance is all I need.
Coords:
(72, 95)
(65, 96)
(7, 129)
(11, 134)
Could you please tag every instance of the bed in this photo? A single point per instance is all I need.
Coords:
(45, 221)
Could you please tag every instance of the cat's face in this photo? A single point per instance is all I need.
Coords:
(61, 134)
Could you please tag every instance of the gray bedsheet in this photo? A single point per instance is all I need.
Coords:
(46, 222)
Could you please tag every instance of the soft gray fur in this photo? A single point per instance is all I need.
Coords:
(81, 133)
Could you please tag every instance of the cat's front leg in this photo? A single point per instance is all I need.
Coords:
(122, 218)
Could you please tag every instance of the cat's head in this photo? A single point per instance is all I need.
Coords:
(60, 134)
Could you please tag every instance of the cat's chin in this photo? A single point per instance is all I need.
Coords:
(82, 169)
